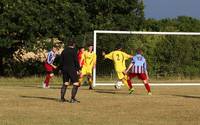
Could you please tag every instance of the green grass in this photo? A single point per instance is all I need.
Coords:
(24, 102)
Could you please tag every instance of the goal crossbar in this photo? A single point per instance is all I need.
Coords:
(131, 33)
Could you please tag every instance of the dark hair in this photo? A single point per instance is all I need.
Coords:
(118, 46)
(56, 46)
(80, 47)
(71, 42)
(89, 44)
(139, 51)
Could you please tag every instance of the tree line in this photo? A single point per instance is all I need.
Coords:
(24, 23)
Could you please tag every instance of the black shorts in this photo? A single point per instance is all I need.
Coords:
(71, 76)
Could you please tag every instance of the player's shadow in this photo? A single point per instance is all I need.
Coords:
(109, 91)
(41, 97)
(52, 87)
(188, 96)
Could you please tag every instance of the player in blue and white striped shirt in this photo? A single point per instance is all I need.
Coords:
(138, 67)
(49, 66)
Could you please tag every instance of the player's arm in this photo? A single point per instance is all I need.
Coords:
(61, 61)
(103, 53)
(81, 60)
(53, 66)
(129, 67)
(108, 56)
(145, 67)
(146, 72)
(130, 56)
(127, 56)
(95, 60)
(77, 66)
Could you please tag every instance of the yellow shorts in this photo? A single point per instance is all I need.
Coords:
(86, 71)
(121, 75)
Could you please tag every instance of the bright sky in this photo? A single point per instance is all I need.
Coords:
(160, 9)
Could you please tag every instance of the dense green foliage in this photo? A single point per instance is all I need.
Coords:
(28, 21)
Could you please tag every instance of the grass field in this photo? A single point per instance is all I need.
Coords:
(24, 102)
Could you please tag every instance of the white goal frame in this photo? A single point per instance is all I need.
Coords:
(143, 33)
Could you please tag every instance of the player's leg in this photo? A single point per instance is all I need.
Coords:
(130, 76)
(143, 77)
(75, 81)
(130, 88)
(147, 86)
(74, 92)
(83, 73)
(64, 86)
(89, 77)
(49, 75)
(90, 81)
(81, 79)
(124, 79)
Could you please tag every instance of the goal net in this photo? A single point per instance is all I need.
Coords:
(170, 55)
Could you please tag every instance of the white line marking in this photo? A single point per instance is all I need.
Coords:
(154, 84)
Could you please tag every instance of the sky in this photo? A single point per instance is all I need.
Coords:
(159, 9)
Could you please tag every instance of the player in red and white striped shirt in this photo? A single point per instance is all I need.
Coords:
(138, 67)
(49, 66)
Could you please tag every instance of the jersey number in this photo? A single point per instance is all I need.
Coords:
(118, 58)
(139, 58)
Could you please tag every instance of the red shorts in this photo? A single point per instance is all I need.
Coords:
(141, 76)
(48, 67)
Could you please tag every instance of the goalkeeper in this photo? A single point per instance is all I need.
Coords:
(119, 57)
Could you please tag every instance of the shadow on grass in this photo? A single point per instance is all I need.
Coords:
(104, 91)
(111, 91)
(52, 87)
(188, 96)
(40, 97)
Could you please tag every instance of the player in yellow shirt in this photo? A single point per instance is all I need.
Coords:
(119, 58)
(89, 58)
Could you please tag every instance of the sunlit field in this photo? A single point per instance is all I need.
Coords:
(24, 102)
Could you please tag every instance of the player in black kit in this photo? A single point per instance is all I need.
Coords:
(70, 70)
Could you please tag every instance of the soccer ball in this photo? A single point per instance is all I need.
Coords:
(118, 85)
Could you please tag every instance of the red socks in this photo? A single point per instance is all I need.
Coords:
(147, 87)
(129, 84)
(48, 77)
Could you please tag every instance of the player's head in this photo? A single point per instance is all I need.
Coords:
(71, 43)
(118, 46)
(55, 48)
(139, 51)
(90, 47)
(81, 49)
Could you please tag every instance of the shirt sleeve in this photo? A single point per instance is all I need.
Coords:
(61, 60)
(126, 56)
(77, 66)
(145, 65)
(95, 58)
(133, 59)
(109, 56)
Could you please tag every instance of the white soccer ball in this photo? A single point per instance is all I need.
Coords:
(118, 85)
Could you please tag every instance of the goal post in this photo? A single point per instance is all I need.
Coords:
(96, 32)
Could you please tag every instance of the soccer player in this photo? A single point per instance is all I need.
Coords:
(70, 70)
(89, 58)
(49, 66)
(80, 56)
(119, 57)
(138, 68)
